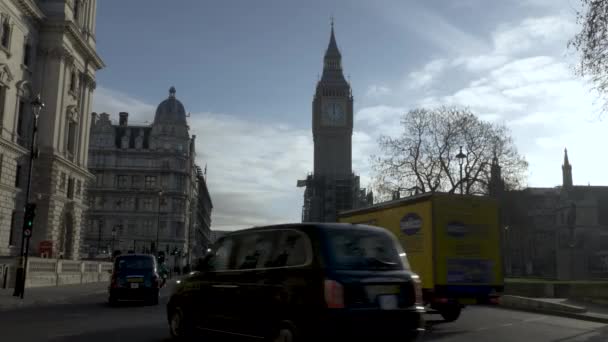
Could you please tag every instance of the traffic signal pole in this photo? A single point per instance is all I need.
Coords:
(28, 218)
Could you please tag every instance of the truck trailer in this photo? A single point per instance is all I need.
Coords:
(453, 242)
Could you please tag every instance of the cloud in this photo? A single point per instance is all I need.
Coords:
(252, 167)
(532, 34)
(425, 77)
(112, 102)
(375, 91)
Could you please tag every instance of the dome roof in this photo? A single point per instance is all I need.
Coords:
(170, 110)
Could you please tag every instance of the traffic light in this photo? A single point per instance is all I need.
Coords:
(30, 213)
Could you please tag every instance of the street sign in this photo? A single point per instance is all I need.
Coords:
(27, 232)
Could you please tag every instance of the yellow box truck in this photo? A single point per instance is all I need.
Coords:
(452, 241)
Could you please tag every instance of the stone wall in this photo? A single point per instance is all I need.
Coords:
(52, 272)
(557, 289)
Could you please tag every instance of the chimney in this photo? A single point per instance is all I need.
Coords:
(123, 118)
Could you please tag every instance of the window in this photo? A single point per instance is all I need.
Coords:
(135, 181)
(292, 250)
(147, 228)
(70, 188)
(132, 229)
(147, 204)
(62, 181)
(221, 259)
(2, 103)
(122, 181)
(1, 160)
(363, 250)
(134, 263)
(253, 251)
(71, 138)
(26, 54)
(6, 34)
(99, 179)
(18, 177)
(76, 10)
(73, 81)
(20, 118)
(150, 182)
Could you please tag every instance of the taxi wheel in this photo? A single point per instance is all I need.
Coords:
(178, 326)
(450, 313)
(285, 333)
(113, 301)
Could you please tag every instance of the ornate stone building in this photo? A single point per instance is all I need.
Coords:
(148, 191)
(47, 47)
(333, 187)
(558, 232)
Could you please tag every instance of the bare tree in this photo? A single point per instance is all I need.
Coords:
(592, 43)
(424, 158)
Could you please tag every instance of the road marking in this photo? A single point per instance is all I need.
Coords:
(506, 325)
(535, 319)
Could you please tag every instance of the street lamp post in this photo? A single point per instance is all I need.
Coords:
(461, 157)
(114, 229)
(156, 247)
(37, 106)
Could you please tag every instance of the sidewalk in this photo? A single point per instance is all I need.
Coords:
(37, 296)
(559, 307)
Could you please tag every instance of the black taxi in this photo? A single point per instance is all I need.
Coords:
(134, 277)
(300, 282)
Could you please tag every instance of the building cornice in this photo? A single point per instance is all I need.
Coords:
(73, 32)
(30, 8)
(11, 146)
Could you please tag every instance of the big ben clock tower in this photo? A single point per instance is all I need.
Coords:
(332, 118)
(332, 187)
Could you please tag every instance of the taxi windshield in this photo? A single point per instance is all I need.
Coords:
(363, 250)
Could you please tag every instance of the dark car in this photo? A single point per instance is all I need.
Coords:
(301, 282)
(134, 277)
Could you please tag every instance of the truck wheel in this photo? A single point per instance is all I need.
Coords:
(450, 313)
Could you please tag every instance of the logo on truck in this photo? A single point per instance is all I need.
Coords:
(456, 229)
(410, 224)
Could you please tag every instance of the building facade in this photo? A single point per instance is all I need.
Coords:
(47, 47)
(147, 190)
(558, 233)
(202, 228)
(332, 187)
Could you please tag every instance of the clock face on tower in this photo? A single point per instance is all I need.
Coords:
(333, 114)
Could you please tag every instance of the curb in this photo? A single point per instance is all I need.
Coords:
(18, 304)
(526, 302)
(550, 308)
(584, 317)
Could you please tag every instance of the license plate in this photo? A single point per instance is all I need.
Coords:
(135, 280)
(469, 301)
(373, 291)
(134, 285)
(388, 302)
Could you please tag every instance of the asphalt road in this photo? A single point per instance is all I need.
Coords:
(90, 319)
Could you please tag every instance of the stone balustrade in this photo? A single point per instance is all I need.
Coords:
(57, 272)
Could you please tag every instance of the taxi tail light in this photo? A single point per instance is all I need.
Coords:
(417, 289)
(155, 281)
(334, 294)
(114, 281)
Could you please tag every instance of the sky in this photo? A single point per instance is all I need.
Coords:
(246, 71)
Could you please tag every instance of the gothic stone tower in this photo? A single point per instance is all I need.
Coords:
(332, 187)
